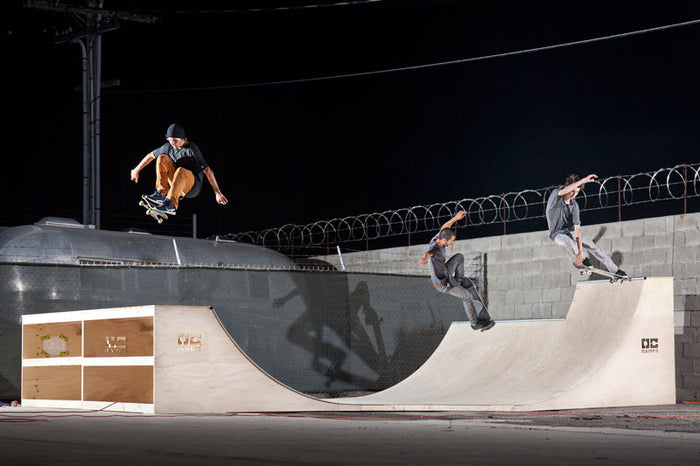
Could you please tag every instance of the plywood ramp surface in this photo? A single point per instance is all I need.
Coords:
(615, 348)
(593, 358)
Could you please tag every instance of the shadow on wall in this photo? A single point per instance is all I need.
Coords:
(616, 256)
(331, 325)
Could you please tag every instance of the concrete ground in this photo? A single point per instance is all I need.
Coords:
(645, 435)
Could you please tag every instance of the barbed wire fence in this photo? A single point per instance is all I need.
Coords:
(680, 183)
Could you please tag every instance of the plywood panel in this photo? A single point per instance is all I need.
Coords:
(119, 337)
(128, 384)
(51, 383)
(54, 340)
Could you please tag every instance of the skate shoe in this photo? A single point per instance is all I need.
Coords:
(166, 207)
(156, 198)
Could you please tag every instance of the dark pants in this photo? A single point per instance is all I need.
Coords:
(456, 286)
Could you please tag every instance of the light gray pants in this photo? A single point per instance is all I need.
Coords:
(568, 240)
(455, 271)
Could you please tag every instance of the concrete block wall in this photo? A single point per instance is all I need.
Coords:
(528, 276)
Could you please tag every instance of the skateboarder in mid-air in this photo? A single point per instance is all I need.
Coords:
(448, 276)
(564, 221)
(180, 169)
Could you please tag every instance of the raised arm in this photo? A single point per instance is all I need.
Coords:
(220, 198)
(567, 189)
(458, 216)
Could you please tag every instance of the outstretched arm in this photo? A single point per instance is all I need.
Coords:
(150, 157)
(578, 184)
(220, 198)
(458, 216)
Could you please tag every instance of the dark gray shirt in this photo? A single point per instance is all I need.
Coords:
(438, 269)
(561, 217)
(189, 157)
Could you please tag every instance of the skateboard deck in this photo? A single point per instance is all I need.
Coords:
(614, 278)
(157, 215)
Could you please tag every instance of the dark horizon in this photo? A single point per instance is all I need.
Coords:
(308, 151)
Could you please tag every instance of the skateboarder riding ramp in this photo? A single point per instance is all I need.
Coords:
(615, 348)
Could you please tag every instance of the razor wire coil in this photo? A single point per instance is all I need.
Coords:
(678, 182)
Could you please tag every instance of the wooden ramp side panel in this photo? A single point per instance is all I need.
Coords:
(200, 369)
(641, 369)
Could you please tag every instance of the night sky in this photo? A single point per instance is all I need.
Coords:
(307, 151)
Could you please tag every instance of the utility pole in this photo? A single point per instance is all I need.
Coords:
(95, 22)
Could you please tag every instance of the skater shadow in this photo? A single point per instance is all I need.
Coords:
(331, 328)
(616, 256)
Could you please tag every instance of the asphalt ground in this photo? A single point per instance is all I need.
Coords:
(640, 435)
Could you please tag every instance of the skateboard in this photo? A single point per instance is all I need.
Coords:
(614, 278)
(157, 215)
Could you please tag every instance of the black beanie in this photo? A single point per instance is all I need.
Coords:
(175, 131)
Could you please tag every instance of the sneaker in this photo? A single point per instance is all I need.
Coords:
(587, 262)
(156, 198)
(621, 273)
(483, 325)
(166, 207)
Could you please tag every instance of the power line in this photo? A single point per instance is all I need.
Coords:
(427, 65)
(279, 8)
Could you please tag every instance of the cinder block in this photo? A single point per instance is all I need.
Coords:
(642, 243)
(497, 298)
(691, 350)
(515, 242)
(502, 312)
(694, 320)
(692, 238)
(685, 254)
(551, 295)
(515, 297)
(685, 334)
(691, 382)
(654, 226)
(622, 244)
(665, 270)
(545, 252)
(632, 228)
(692, 270)
(560, 309)
(686, 222)
(529, 268)
(524, 311)
(567, 294)
(664, 241)
(532, 295)
(684, 366)
(653, 257)
(498, 283)
(686, 286)
(691, 304)
(541, 310)
(549, 280)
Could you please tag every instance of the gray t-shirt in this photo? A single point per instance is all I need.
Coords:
(189, 157)
(438, 270)
(561, 217)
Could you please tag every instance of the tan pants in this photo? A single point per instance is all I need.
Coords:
(176, 182)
